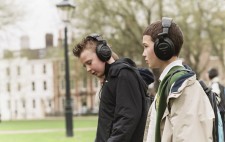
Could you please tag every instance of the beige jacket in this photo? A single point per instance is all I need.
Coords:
(190, 118)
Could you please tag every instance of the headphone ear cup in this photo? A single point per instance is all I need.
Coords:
(164, 50)
(103, 52)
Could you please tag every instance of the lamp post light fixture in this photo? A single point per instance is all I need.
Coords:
(65, 9)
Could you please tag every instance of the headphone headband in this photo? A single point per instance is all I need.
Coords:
(166, 23)
(96, 37)
(103, 51)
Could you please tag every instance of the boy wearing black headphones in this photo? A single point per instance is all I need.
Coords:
(123, 108)
(181, 110)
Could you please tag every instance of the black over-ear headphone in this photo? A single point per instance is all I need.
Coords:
(164, 47)
(103, 51)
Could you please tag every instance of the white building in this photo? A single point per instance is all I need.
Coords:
(26, 88)
(33, 86)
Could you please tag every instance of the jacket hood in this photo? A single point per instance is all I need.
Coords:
(145, 73)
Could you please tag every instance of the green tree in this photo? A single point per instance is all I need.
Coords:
(202, 25)
(121, 22)
(213, 13)
(11, 12)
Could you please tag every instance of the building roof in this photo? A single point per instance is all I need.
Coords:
(44, 53)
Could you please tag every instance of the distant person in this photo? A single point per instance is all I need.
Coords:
(181, 111)
(218, 88)
(214, 81)
(122, 111)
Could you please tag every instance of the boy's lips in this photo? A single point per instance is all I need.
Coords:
(95, 73)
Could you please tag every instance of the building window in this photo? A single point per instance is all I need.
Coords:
(24, 103)
(9, 104)
(34, 104)
(45, 85)
(50, 103)
(63, 84)
(84, 100)
(18, 70)
(72, 85)
(63, 103)
(18, 87)
(62, 66)
(8, 87)
(7, 71)
(32, 69)
(44, 69)
(16, 112)
(85, 82)
(33, 86)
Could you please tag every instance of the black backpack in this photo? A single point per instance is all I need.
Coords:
(221, 104)
(212, 98)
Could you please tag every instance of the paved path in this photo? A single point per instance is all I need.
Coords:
(42, 131)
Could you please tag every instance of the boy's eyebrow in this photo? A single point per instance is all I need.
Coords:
(144, 44)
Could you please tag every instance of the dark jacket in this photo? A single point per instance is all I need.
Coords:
(122, 110)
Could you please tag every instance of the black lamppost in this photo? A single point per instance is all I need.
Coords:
(66, 9)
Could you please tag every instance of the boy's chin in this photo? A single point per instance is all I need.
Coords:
(99, 76)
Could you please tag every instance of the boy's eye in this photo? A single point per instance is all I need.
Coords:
(88, 63)
(145, 46)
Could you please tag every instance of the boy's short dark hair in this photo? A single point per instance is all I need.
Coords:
(175, 34)
(213, 72)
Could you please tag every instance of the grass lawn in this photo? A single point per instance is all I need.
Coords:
(50, 130)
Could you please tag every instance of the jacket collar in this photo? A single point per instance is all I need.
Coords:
(215, 79)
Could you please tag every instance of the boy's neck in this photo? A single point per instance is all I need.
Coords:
(166, 63)
(110, 61)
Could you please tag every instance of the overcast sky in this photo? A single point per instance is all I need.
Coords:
(41, 17)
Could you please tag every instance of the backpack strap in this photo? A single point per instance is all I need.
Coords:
(175, 76)
(212, 98)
